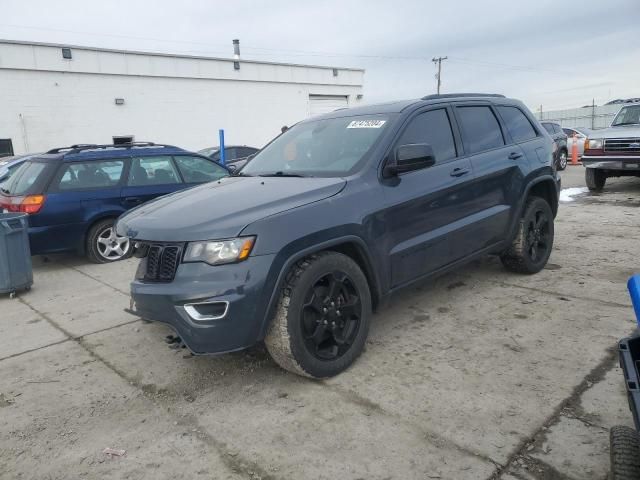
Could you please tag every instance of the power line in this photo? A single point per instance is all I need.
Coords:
(270, 52)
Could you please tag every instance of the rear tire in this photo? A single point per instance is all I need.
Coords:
(533, 242)
(323, 315)
(104, 246)
(625, 453)
(595, 179)
(562, 159)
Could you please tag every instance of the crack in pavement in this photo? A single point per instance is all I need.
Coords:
(116, 289)
(432, 437)
(234, 462)
(594, 376)
(14, 355)
(557, 294)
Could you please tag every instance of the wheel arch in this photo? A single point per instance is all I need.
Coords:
(545, 188)
(352, 246)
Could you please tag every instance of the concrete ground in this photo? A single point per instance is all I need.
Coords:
(480, 374)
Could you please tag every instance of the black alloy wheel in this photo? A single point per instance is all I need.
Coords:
(331, 316)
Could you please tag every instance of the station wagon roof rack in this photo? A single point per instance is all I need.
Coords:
(92, 146)
(455, 95)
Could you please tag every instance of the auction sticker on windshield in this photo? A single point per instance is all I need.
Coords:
(366, 124)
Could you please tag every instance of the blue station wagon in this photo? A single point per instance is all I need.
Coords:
(73, 195)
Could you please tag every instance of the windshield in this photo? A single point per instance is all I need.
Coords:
(627, 116)
(322, 148)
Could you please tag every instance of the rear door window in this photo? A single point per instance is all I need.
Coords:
(158, 170)
(432, 127)
(198, 169)
(480, 128)
(23, 178)
(91, 175)
(517, 124)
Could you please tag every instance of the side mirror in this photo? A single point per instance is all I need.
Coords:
(232, 168)
(408, 158)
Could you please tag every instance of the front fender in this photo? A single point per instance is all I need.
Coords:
(301, 248)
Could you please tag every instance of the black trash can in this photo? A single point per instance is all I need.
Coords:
(15, 255)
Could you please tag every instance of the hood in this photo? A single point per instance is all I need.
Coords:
(623, 131)
(222, 209)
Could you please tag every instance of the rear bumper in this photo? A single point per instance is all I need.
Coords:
(240, 286)
(629, 352)
(626, 163)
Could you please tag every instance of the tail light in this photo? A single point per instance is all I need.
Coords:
(25, 204)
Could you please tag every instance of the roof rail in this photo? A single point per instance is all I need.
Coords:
(454, 95)
(92, 146)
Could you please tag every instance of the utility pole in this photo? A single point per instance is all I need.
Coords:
(439, 60)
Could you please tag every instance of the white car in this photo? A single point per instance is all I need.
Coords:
(576, 134)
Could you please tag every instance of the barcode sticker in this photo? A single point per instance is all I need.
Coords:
(366, 124)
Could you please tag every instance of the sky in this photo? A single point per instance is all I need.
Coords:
(548, 53)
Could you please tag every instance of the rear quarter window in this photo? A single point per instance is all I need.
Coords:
(25, 178)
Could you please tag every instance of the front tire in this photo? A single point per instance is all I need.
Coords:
(322, 319)
(533, 242)
(104, 245)
(595, 179)
(625, 453)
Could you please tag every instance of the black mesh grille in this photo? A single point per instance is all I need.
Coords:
(169, 263)
(162, 262)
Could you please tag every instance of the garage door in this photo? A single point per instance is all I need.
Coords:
(319, 104)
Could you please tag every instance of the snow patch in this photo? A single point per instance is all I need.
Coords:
(567, 194)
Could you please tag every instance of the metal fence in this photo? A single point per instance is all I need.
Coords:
(586, 117)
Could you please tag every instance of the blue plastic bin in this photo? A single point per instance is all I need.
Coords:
(634, 292)
(15, 255)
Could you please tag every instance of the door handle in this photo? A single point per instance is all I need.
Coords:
(514, 155)
(133, 200)
(458, 172)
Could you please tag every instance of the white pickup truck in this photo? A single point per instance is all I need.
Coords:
(613, 151)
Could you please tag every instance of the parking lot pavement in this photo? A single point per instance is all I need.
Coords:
(479, 374)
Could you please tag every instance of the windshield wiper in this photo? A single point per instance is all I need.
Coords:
(625, 123)
(282, 174)
(241, 174)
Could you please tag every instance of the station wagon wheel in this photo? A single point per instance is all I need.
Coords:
(322, 318)
(331, 316)
(531, 247)
(104, 245)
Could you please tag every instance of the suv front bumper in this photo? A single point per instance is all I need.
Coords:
(611, 162)
(238, 287)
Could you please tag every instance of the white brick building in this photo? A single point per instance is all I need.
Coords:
(47, 100)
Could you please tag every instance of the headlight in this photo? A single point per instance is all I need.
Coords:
(217, 252)
(593, 144)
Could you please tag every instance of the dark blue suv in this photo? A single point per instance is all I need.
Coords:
(73, 195)
(338, 213)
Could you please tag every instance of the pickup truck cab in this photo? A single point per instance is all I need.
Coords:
(613, 151)
(338, 213)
